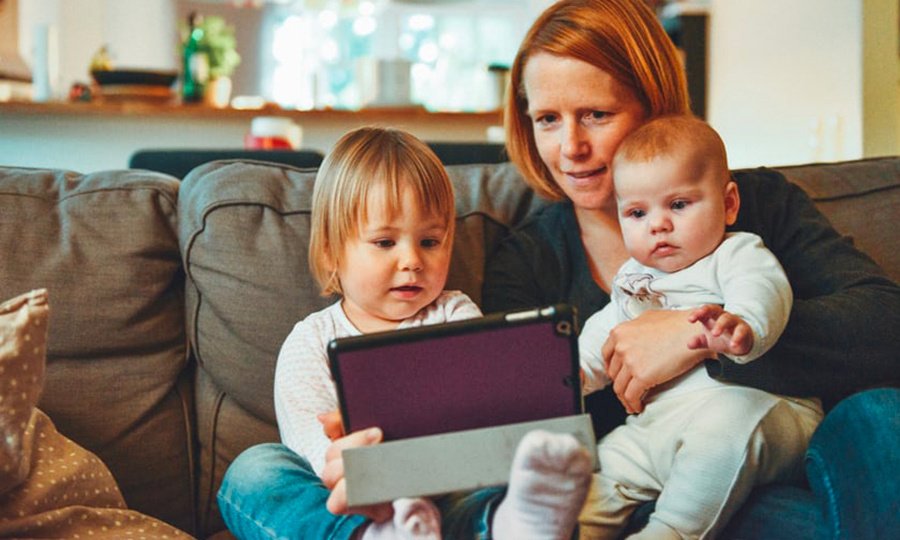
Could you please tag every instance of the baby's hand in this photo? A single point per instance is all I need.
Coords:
(723, 332)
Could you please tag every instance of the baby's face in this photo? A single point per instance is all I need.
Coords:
(673, 210)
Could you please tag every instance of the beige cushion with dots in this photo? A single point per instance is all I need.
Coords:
(49, 486)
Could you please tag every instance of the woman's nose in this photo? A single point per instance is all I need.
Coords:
(573, 143)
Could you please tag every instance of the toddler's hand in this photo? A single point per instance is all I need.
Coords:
(723, 332)
(333, 475)
(332, 425)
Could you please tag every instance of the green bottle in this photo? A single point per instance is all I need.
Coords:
(196, 63)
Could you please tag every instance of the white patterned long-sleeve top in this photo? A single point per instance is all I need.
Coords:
(304, 387)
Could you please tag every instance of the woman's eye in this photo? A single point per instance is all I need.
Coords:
(596, 116)
(545, 120)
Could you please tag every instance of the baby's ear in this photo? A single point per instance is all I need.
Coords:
(732, 202)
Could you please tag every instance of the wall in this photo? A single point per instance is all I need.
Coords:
(93, 142)
(786, 80)
(139, 34)
(790, 82)
(881, 77)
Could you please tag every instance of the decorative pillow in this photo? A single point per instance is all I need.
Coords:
(23, 335)
(49, 486)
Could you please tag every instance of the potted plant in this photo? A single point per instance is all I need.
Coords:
(211, 37)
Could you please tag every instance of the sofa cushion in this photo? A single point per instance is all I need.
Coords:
(244, 229)
(105, 247)
(860, 198)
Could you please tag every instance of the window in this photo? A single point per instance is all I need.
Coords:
(350, 54)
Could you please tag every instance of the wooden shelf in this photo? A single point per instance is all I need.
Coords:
(139, 108)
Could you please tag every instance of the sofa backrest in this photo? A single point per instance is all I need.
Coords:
(105, 246)
(861, 199)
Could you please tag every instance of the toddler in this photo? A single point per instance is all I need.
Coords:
(699, 446)
(382, 231)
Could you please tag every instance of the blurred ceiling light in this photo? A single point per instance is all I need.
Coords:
(363, 26)
(420, 22)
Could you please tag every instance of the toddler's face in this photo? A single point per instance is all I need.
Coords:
(395, 265)
(673, 210)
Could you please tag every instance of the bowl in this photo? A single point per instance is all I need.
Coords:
(134, 77)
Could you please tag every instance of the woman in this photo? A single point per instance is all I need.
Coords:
(587, 74)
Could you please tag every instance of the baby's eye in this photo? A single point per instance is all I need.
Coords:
(635, 213)
(431, 243)
(679, 205)
(383, 243)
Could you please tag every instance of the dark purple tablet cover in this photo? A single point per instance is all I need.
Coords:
(495, 370)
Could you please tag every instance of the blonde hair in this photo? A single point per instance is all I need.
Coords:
(364, 160)
(622, 38)
(668, 135)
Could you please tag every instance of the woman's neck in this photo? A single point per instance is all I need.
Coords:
(601, 237)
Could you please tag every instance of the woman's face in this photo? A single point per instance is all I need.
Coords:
(579, 115)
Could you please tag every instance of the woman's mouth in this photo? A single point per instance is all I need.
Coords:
(583, 178)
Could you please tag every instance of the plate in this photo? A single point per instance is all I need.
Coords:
(135, 77)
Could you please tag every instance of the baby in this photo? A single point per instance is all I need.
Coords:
(699, 446)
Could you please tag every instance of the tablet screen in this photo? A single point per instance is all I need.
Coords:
(499, 369)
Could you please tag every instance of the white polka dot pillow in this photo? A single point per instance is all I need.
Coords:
(49, 486)
(23, 338)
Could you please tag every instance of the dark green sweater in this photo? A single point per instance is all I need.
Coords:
(844, 331)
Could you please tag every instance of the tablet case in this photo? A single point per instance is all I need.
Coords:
(499, 369)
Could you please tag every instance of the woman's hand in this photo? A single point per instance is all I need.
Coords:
(333, 474)
(648, 351)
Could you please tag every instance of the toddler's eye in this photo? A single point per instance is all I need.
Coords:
(679, 205)
(383, 243)
(431, 243)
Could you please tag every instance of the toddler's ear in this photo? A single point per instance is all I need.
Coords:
(732, 202)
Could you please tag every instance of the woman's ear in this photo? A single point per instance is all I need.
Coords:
(732, 202)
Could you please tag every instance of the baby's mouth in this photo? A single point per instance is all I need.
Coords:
(664, 248)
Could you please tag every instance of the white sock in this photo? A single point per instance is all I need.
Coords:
(550, 476)
(414, 519)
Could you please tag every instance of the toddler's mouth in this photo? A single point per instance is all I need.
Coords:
(407, 288)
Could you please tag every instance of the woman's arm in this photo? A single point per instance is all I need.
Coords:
(842, 334)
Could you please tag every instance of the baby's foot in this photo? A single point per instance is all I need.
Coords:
(550, 476)
(414, 519)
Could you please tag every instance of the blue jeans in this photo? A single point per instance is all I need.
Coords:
(853, 467)
(270, 492)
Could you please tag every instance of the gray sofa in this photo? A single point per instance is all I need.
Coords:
(169, 300)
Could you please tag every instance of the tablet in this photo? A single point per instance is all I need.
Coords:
(498, 369)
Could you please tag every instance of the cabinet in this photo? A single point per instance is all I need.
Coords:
(688, 30)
